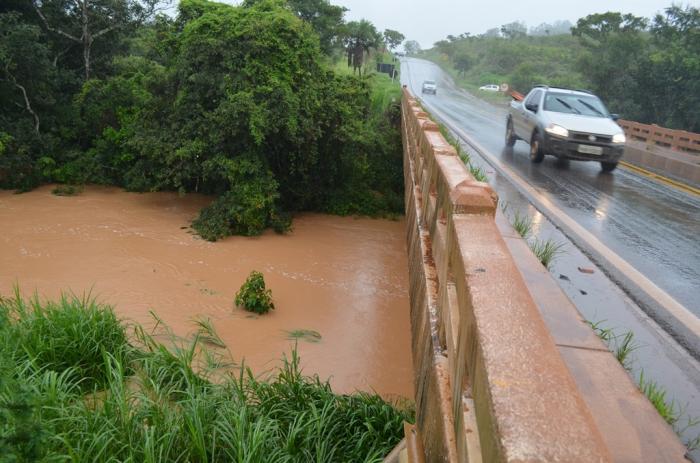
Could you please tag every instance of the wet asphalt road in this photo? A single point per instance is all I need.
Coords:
(654, 227)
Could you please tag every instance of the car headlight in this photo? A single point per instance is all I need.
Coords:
(619, 138)
(558, 130)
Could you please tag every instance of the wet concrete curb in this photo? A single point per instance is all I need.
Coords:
(630, 425)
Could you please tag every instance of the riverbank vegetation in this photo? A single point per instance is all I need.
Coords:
(647, 70)
(74, 385)
(238, 102)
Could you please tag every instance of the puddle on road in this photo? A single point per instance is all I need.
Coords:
(342, 277)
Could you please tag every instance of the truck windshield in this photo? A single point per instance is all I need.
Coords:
(429, 82)
(574, 104)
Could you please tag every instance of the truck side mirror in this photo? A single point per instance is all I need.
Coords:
(614, 117)
(532, 107)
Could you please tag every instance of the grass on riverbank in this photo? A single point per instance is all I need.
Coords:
(74, 386)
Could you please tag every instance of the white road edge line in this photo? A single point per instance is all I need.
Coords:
(663, 299)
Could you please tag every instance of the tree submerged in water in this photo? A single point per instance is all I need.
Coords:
(253, 296)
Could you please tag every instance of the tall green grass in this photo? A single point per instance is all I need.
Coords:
(154, 403)
(72, 333)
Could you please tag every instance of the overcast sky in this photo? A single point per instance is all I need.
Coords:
(428, 21)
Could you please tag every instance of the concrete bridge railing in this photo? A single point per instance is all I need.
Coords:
(490, 383)
(505, 367)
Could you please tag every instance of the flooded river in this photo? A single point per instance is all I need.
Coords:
(345, 278)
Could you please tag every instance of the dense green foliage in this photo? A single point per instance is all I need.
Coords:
(648, 71)
(253, 296)
(153, 404)
(236, 102)
(70, 334)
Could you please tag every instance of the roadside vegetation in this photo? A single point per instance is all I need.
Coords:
(644, 69)
(546, 251)
(622, 345)
(476, 171)
(75, 386)
(238, 102)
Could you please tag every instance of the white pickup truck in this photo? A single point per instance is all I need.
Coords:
(568, 124)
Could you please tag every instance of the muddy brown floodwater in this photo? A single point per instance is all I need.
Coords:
(344, 277)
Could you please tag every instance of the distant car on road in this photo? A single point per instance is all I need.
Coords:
(568, 124)
(429, 86)
(490, 88)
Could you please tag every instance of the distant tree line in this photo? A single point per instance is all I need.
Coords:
(646, 70)
(237, 102)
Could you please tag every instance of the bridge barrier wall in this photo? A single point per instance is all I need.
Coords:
(652, 134)
(490, 384)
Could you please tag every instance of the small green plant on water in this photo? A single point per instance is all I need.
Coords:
(305, 335)
(67, 190)
(546, 250)
(253, 296)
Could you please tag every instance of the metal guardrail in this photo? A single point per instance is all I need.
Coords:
(490, 384)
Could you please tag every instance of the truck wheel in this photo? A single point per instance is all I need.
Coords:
(510, 135)
(608, 166)
(536, 153)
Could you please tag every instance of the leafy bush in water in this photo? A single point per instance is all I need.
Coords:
(247, 208)
(253, 296)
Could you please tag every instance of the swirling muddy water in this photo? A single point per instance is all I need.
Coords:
(343, 277)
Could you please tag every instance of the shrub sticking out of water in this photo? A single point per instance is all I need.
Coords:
(172, 411)
(253, 296)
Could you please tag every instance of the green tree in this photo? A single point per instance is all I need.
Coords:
(669, 76)
(26, 87)
(463, 61)
(615, 45)
(514, 30)
(412, 47)
(360, 37)
(393, 39)
(326, 19)
(601, 26)
(83, 22)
